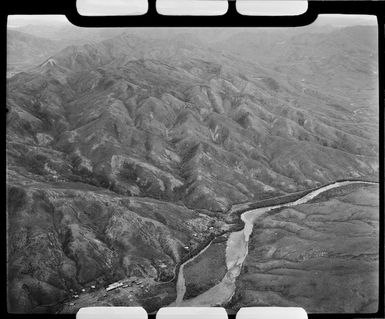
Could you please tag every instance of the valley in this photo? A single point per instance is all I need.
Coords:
(129, 151)
(321, 255)
(222, 292)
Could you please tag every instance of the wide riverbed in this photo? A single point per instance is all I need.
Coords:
(236, 252)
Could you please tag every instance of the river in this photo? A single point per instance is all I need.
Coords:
(236, 252)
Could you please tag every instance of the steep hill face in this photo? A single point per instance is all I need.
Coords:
(119, 151)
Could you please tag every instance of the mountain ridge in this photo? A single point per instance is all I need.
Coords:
(127, 147)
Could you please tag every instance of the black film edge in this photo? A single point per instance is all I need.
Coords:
(231, 19)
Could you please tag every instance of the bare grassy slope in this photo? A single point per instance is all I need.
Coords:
(322, 255)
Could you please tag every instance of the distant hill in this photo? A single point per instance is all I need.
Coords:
(25, 50)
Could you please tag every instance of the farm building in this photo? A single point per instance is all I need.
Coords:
(114, 286)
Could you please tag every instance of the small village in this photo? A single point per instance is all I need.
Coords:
(133, 285)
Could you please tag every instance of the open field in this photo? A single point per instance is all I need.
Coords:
(206, 270)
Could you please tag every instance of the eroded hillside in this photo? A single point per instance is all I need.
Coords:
(122, 152)
(322, 255)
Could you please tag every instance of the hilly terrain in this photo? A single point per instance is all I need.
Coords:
(124, 154)
(322, 255)
(24, 51)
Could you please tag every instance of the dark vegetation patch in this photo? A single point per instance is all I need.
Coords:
(335, 192)
(293, 197)
(271, 84)
(206, 270)
(158, 296)
(16, 199)
(34, 163)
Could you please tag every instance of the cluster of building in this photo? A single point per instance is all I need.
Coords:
(75, 294)
(191, 245)
(125, 284)
(110, 287)
(114, 285)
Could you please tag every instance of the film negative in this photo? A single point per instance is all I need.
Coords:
(205, 163)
